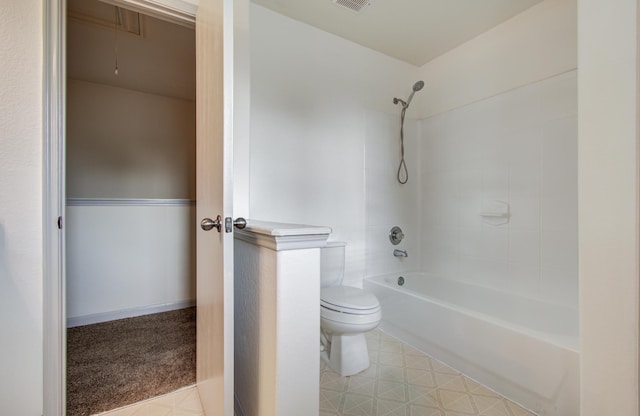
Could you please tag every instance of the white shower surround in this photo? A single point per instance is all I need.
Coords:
(519, 147)
(500, 340)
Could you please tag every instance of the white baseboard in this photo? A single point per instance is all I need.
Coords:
(127, 313)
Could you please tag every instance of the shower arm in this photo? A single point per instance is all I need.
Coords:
(402, 102)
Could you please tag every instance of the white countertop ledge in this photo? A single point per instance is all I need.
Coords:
(282, 229)
(283, 236)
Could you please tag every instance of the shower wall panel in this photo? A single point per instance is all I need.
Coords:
(515, 156)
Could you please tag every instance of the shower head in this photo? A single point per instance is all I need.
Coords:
(416, 87)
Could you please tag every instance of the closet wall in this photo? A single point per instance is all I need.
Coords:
(130, 168)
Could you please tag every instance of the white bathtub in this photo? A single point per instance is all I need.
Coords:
(524, 349)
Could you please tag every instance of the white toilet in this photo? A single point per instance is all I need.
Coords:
(346, 313)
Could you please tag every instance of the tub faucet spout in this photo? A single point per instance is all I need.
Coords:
(400, 253)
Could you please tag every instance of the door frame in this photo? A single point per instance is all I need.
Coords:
(54, 101)
(54, 133)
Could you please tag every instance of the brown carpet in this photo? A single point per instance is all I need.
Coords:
(112, 364)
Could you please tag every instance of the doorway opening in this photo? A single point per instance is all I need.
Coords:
(130, 187)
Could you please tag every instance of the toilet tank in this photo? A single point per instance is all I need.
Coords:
(332, 263)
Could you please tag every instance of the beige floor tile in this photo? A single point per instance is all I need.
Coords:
(417, 361)
(442, 368)
(330, 400)
(141, 410)
(188, 401)
(409, 350)
(184, 402)
(403, 381)
(126, 411)
(415, 410)
(456, 413)
(517, 410)
(391, 390)
(179, 412)
(155, 409)
(453, 382)
(479, 389)
(362, 385)
(391, 358)
(421, 377)
(456, 401)
(387, 345)
(371, 372)
(391, 373)
(423, 397)
(498, 409)
(483, 403)
(391, 408)
(330, 380)
(357, 405)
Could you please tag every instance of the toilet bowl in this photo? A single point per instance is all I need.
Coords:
(346, 313)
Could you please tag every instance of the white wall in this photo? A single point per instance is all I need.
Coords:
(127, 144)
(128, 260)
(534, 45)
(21, 207)
(310, 93)
(609, 187)
(520, 148)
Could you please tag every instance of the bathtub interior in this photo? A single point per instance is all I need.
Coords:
(536, 367)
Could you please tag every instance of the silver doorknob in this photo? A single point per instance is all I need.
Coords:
(207, 224)
(240, 223)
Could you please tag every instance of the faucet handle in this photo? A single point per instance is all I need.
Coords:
(396, 235)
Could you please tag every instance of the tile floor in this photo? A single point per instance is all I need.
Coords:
(183, 402)
(403, 381)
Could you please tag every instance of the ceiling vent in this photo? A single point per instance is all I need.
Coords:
(129, 21)
(109, 17)
(353, 5)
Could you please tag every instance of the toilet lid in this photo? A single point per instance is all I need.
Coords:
(346, 297)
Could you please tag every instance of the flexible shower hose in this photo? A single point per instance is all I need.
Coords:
(403, 164)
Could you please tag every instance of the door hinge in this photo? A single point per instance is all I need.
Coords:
(59, 223)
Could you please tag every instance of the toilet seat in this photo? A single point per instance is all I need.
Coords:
(349, 300)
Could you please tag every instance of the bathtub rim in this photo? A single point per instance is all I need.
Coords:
(568, 342)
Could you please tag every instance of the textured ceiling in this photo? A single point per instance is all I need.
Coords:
(414, 31)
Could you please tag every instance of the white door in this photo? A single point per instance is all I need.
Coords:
(214, 69)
